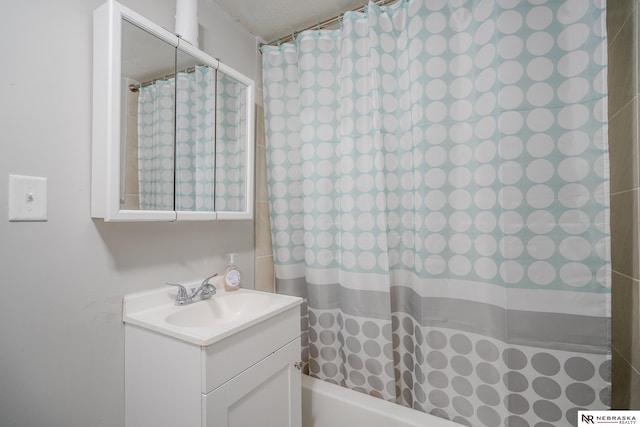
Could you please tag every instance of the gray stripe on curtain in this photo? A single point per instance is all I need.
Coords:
(369, 304)
(295, 287)
(558, 331)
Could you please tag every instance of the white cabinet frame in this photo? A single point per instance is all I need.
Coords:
(106, 156)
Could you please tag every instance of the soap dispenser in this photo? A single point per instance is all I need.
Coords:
(232, 275)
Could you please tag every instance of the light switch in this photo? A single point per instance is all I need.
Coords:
(27, 198)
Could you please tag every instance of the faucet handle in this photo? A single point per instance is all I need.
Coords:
(206, 281)
(183, 294)
(207, 290)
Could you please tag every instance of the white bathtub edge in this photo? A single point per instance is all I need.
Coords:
(329, 405)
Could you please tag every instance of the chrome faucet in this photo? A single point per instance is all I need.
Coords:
(206, 290)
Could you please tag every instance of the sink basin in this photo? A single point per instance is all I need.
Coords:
(203, 322)
(220, 309)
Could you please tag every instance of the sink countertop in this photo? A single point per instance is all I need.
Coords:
(151, 309)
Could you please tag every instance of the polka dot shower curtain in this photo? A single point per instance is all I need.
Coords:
(192, 186)
(438, 177)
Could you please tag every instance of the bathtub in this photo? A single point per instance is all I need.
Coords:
(329, 405)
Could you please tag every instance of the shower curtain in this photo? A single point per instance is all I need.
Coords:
(192, 158)
(438, 177)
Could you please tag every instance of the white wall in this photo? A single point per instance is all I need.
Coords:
(62, 281)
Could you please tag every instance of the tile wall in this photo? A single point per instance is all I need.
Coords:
(264, 270)
(624, 142)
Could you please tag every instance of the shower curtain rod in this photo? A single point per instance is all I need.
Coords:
(135, 88)
(321, 25)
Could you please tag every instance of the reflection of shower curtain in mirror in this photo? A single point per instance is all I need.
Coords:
(231, 137)
(195, 142)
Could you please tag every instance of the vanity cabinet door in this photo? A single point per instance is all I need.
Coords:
(268, 394)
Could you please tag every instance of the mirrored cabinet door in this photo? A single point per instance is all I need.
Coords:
(195, 134)
(234, 144)
(148, 121)
(231, 144)
(172, 126)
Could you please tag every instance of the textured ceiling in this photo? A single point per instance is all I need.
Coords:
(274, 19)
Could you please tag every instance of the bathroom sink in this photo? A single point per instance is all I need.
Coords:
(203, 322)
(224, 308)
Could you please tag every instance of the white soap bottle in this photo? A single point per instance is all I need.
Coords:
(232, 275)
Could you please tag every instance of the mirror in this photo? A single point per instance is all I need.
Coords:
(231, 125)
(195, 134)
(147, 132)
(173, 127)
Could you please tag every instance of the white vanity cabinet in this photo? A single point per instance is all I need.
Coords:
(249, 378)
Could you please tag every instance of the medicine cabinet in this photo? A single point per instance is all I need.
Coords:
(173, 127)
